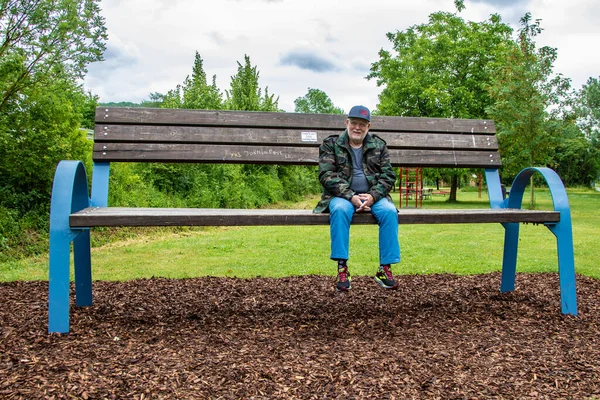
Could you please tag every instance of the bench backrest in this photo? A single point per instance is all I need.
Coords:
(176, 135)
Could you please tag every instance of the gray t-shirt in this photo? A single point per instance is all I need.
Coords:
(359, 181)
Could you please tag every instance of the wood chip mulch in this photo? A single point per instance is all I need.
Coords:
(437, 337)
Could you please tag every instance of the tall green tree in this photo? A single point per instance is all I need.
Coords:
(194, 93)
(245, 93)
(442, 69)
(197, 93)
(523, 92)
(43, 129)
(38, 36)
(316, 101)
(45, 47)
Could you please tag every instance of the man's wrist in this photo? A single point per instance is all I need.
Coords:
(376, 196)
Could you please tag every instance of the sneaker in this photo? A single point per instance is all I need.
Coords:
(343, 279)
(385, 278)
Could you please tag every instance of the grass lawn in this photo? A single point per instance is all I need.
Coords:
(298, 250)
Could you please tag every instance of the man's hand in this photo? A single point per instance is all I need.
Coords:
(362, 202)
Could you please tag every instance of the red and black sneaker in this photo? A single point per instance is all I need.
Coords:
(385, 278)
(343, 279)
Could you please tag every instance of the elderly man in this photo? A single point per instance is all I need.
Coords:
(357, 176)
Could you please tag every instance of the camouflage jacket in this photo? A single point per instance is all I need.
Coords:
(335, 168)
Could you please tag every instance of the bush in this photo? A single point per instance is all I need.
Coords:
(23, 236)
(210, 185)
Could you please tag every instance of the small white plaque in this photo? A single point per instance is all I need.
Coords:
(309, 136)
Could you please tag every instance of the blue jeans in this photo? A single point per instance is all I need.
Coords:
(340, 218)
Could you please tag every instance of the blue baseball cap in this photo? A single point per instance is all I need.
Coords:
(361, 112)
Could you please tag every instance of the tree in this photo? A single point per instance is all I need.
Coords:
(173, 98)
(43, 129)
(588, 108)
(155, 100)
(38, 36)
(577, 157)
(442, 69)
(316, 101)
(523, 92)
(197, 93)
(245, 92)
(45, 47)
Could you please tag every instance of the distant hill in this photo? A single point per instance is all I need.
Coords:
(120, 104)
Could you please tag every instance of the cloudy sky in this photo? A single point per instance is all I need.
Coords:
(301, 44)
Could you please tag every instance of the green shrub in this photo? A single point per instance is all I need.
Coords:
(298, 181)
(22, 235)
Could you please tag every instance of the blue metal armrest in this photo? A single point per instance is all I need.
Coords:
(69, 194)
(562, 230)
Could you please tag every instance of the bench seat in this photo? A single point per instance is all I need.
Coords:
(118, 216)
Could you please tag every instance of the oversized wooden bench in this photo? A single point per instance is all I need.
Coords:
(166, 135)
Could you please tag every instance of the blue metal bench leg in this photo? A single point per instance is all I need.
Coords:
(58, 290)
(83, 269)
(69, 194)
(509, 261)
(566, 267)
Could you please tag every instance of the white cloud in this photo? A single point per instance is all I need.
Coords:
(571, 28)
(118, 55)
(152, 42)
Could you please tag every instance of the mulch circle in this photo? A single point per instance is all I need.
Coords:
(436, 337)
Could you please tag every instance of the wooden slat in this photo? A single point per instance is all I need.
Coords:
(155, 116)
(421, 124)
(243, 154)
(114, 216)
(227, 154)
(445, 159)
(204, 134)
(275, 137)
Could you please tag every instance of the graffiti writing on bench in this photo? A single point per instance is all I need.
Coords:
(261, 152)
